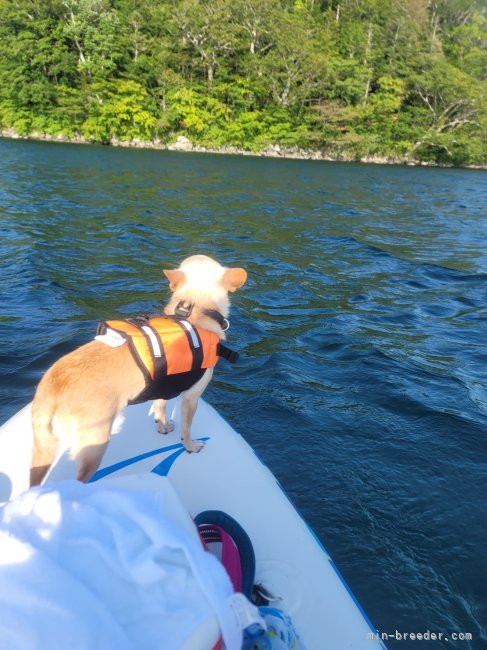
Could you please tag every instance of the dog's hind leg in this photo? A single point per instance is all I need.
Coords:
(92, 443)
(160, 417)
(44, 450)
(89, 459)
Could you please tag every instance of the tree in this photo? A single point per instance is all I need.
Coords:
(36, 66)
(93, 27)
(255, 18)
(452, 98)
(206, 27)
(120, 110)
(297, 65)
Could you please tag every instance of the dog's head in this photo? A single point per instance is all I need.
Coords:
(204, 282)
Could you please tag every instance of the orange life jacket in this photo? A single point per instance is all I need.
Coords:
(171, 353)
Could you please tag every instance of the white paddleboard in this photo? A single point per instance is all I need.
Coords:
(226, 475)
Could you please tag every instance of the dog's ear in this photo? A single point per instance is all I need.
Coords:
(233, 279)
(176, 278)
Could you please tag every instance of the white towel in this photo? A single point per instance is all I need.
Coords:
(89, 567)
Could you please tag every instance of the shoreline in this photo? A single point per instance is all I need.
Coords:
(183, 144)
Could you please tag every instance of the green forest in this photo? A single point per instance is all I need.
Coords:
(404, 79)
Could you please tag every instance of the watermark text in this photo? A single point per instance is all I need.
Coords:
(428, 635)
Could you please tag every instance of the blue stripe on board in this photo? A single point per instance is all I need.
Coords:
(162, 469)
(101, 473)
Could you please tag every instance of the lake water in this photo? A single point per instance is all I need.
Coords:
(362, 332)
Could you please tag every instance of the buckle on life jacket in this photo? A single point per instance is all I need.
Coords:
(183, 309)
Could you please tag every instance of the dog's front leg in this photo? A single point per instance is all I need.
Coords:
(188, 409)
(159, 411)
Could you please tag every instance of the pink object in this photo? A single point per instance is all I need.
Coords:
(230, 557)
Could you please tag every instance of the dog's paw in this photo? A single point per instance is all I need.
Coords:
(164, 428)
(193, 446)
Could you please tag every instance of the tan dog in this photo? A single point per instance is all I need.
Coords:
(79, 396)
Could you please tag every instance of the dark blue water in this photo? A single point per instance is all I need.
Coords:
(362, 329)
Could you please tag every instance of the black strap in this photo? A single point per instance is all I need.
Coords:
(184, 309)
(227, 353)
(221, 320)
(196, 351)
(101, 329)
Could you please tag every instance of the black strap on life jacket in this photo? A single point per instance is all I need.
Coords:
(226, 353)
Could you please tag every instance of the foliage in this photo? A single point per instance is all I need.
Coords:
(119, 110)
(400, 78)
